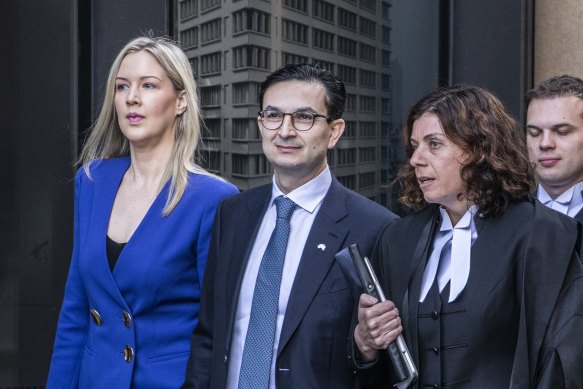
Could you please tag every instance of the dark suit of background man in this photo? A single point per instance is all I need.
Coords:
(300, 121)
(555, 142)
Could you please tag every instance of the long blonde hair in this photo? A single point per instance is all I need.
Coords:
(106, 140)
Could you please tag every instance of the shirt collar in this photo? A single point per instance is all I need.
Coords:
(567, 197)
(309, 195)
(464, 222)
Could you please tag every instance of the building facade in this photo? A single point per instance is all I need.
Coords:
(233, 45)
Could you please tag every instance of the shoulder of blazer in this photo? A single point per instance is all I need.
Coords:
(251, 199)
(341, 201)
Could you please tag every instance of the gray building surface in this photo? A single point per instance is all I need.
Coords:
(233, 45)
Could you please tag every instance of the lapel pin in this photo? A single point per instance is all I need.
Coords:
(322, 246)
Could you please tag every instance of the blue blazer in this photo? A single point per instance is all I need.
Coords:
(313, 348)
(132, 327)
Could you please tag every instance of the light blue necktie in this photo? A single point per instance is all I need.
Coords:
(258, 349)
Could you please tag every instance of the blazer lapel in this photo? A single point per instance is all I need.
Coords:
(315, 262)
(245, 231)
(106, 185)
(416, 270)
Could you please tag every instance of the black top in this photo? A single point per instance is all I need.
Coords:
(113, 251)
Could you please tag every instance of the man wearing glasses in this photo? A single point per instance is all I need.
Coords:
(275, 307)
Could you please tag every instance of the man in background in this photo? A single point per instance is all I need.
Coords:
(554, 126)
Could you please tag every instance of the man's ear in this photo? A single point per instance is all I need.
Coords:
(181, 105)
(337, 129)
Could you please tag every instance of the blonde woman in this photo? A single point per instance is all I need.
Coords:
(143, 215)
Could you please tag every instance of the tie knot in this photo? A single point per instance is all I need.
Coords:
(285, 207)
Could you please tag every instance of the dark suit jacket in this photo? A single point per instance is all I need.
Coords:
(313, 349)
(524, 264)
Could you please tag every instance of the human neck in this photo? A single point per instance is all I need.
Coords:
(289, 182)
(148, 168)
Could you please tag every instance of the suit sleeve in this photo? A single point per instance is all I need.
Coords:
(200, 361)
(375, 374)
(74, 315)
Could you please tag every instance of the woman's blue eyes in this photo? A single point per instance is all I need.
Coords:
(121, 87)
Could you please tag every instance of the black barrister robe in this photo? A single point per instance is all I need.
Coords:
(525, 273)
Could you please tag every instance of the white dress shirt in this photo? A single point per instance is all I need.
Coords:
(569, 203)
(309, 198)
(456, 262)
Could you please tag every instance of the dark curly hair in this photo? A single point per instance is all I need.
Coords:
(497, 171)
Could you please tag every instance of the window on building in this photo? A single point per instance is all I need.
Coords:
(240, 164)
(323, 40)
(368, 53)
(210, 96)
(347, 47)
(367, 180)
(369, 5)
(212, 161)
(323, 10)
(386, 38)
(245, 93)
(384, 153)
(346, 157)
(212, 129)
(386, 82)
(385, 10)
(245, 129)
(294, 32)
(367, 130)
(386, 106)
(368, 27)
(368, 104)
(368, 79)
(210, 64)
(385, 130)
(349, 129)
(194, 66)
(347, 19)
(250, 19)
(348, 181)
(289, 58)
(210, 31)
(189, 38)
(324, 64)
(298, 5)
(350, 102)
(188, 8)
(206, 5)
(250, 56)
(347, 74)
(386, 60)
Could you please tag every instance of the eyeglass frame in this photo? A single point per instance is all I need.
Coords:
(316, 115)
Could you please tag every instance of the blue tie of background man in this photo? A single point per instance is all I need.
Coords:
(258, 349)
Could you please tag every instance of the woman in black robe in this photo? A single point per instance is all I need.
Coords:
(485, 281)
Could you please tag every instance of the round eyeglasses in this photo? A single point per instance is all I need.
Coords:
(301, 120)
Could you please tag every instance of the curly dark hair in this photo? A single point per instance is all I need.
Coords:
(498, 169)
